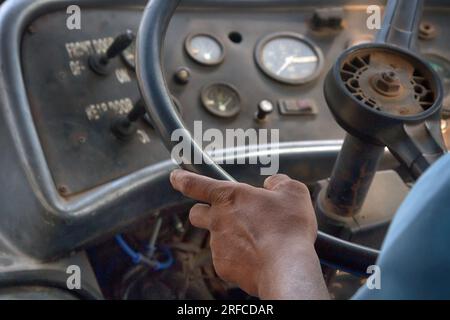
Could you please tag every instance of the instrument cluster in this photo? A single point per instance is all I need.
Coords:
(289, 58)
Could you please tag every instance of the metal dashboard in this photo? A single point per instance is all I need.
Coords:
(75, 180)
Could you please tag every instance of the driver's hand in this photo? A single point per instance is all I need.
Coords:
(261, 238)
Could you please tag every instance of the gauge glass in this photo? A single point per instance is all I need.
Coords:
(289, 58)
(205, 49)
(221, 100)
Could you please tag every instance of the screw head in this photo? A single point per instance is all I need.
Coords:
(387, 83)
(390, 76)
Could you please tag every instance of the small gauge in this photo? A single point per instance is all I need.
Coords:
(129, 55)
(289, 58)
(221, 100)
(205, 49)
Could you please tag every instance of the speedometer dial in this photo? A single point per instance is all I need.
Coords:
(289, 58)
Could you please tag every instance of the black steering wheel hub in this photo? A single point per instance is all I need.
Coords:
(375, 91)
(389, 81)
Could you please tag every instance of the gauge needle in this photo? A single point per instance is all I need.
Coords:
(293, 59)
(223, 106)
(306, 59)
(287, 63)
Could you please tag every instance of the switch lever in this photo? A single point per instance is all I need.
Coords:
(125, 127)
(99, 63)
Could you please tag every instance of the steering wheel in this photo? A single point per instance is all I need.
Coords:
(399, 30)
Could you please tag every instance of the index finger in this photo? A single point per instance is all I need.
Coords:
(195, 186)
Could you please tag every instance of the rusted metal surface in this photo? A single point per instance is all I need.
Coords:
(388, 82)
(427, 31)
(352, 176)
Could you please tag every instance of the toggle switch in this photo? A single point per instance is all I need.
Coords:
(99, 63)
(125, 127)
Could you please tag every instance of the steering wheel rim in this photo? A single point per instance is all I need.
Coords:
(332, 251)
(150, 42)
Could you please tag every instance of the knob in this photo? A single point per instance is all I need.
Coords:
(182, 75)
(265, 107)
(99, 63)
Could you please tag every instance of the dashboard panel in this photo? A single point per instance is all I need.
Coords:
(71, 178)
(74, 107)
(77, 181)
(231, 59)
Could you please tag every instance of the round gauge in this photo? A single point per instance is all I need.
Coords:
(442, 67)
(205, 49)
(221, 100)
(289, 58)
(129, 55)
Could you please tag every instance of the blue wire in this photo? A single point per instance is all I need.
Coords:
(135, 256)
(165, 264)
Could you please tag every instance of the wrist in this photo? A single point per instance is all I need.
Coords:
(292, 272)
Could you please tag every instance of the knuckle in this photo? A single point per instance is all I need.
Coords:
(280, 176)
(301, 187)
(274, 181)
(276, 177)
(199, 216)
(224, 194)
(193, 214)
(294, 185)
